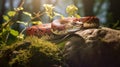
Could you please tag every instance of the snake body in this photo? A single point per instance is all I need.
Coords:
(63, 26)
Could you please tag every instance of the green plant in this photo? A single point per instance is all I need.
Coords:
(71, 11)
(8, 35)
(6, 32)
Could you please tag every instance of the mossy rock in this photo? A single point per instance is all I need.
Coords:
(31, 52)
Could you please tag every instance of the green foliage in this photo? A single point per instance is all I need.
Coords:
(49, 10)
(72, 11)
(28, 14)
(13, 32)
(5, 35)
(31, 52)
(19, 9)
(8, 35)
(24, 23)
(11, 13)
(6, 18)
(21, 36)
(36, 22)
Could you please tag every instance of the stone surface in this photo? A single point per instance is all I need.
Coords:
(93, 48)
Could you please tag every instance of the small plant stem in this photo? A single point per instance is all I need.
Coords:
(22, 30)
(6, 39)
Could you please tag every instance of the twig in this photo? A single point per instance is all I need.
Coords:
(21, 3)
(38, 14)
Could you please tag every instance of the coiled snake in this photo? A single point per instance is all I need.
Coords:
(64, 26)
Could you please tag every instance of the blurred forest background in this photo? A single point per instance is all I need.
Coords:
(108, 11)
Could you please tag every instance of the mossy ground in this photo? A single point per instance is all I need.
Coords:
(31, 52)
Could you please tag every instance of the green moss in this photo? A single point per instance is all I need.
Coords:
(31, 52)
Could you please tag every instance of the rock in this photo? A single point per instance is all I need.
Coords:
(93, 48)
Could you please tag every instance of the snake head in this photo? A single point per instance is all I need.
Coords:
(90, 22)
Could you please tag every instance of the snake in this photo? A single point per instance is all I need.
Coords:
(64, 26)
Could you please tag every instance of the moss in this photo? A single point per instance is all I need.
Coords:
(31, 52)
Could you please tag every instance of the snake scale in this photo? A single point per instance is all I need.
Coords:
(63, 27)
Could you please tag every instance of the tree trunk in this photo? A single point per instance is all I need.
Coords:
(115, 10)
(36, 5)
(2, 10)
(88, 6)
(11, 5)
